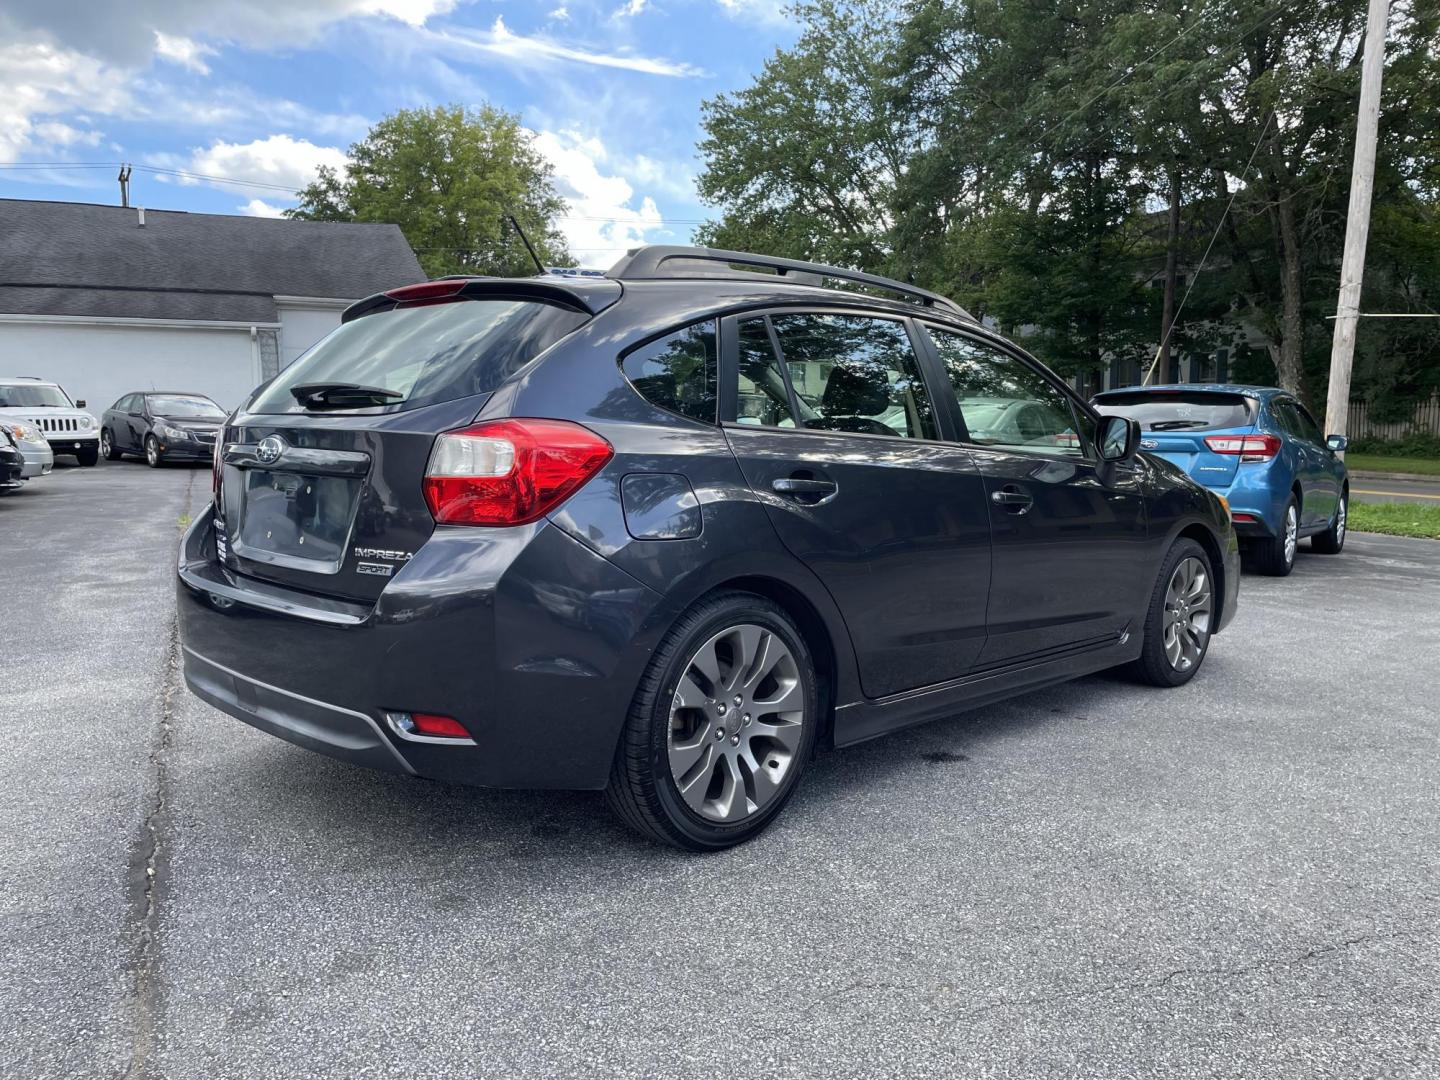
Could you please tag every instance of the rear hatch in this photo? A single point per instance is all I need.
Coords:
(1174, 425)
(322, 477)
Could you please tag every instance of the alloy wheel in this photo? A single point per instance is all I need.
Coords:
(1340, 516)
(736, 723)
(105, 446)
(1292, 533)
(1187, 614)
(152, 451)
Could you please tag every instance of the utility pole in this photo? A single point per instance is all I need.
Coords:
(124, 179)
(1357, 226)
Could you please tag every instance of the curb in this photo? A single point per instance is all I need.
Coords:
(1403, 477)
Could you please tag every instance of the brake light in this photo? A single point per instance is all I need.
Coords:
(429, 292)
(1248, 447)
(1243, 519)
(510, 472)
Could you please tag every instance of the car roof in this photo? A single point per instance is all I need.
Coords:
(24, 380)
(1261, 392)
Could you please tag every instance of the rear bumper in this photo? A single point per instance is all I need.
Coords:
(528, 638)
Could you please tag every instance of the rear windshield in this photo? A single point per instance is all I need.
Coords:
(1169, 410)
(429, 353)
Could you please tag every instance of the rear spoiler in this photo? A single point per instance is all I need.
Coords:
(589, 296)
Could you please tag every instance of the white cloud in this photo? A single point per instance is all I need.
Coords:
(41, 80)
(604, 219)
(630, 9)
(285, 162)
(261, 208)
(183, 51)
(765, 12)
(560, 14)
(500, 40)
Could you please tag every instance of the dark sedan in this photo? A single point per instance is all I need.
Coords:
(161, 426)
(12, 464)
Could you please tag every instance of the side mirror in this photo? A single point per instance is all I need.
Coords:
(1119, 438)
(80, 404)
(1338, 443)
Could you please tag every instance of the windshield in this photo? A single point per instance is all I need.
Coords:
(1179, 410)
(435, 352)
(38, 396)
(185, 407)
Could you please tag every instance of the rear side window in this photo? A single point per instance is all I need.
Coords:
(764, 399)
(855, 373)
(1179, 410)
(427, 353)
(678, 371)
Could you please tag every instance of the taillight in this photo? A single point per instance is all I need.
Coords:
(1249, 447)
(509, 472)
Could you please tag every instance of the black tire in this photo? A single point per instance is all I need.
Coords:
(153, 455)
(642, 791)
(88, 457)
(108, 447)
(1276, 556)
(1154, 666)
(1332, 540)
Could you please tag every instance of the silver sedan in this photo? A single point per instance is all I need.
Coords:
(33, 446)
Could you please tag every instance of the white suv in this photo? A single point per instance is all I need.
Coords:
(65, 424)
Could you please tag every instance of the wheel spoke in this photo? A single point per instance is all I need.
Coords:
(689, 695)
(768, 654)
(696, 782)
(685, 756)
(732, 803)
(746, 641)
(707, 662)
(790, 697)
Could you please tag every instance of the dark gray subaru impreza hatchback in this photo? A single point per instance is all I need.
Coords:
(667, 530)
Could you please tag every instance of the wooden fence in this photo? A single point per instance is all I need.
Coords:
(1425, 420)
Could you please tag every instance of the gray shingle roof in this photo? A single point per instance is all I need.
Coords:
(59, 258)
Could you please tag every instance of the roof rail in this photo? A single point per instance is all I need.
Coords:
(667, 261)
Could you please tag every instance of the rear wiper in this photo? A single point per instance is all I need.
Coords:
(1175, 425)
(342, 395)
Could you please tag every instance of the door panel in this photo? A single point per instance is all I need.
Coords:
(836, 435)
(898, 533)
(1069, 554)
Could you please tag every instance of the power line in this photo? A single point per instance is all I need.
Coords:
(39, 166)
(1195, 276)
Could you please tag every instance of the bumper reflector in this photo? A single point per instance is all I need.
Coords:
(427, 726)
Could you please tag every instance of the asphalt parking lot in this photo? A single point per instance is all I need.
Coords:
(1235, 879)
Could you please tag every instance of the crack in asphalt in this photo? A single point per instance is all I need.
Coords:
(148, 860)
(1279, 962)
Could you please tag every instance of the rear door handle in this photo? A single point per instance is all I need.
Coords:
(1012, 499)
(803, 489)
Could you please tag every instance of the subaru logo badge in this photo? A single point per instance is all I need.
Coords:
(1145, 444)
(270, 449)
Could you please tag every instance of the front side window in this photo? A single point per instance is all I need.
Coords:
(1003, 401)
(855, 373)
(677, 371)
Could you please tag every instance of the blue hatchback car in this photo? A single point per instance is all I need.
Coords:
(1257, 446)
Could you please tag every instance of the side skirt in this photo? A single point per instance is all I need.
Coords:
(859, 721)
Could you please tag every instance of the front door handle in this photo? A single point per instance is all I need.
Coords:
(1012, 499)
(807, 490)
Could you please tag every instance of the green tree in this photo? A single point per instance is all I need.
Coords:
(449, 176)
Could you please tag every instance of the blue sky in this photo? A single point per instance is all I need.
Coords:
(265, 90)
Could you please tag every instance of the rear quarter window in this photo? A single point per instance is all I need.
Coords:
(678, 371)
(1180, 411)
(428, 353)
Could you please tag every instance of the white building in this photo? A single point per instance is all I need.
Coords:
(108, 300)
